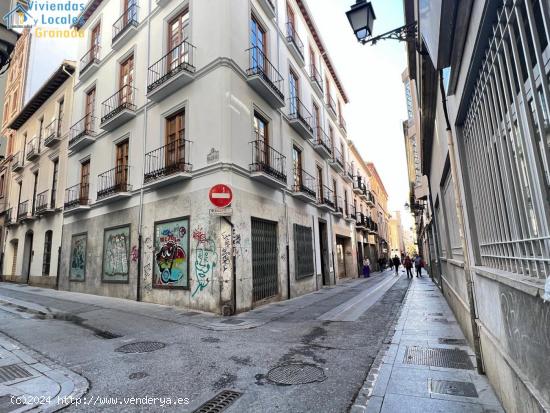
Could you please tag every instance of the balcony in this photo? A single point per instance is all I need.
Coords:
(338, 207)
(358, 185)
(24, 212)
(322, 143)
(347, 173)
(264, 78)
(371, 226)
(168, 164)
(125, 27)
(369, 198)
(316, 80)
(331, 106)
(268, 7)
(83, 133)
(300, 118)
(118, 109)
(53, 133)
(33, 149)
(9, 218)
(325, 198)
(268, 165)
(172, 72)
(44, 203)
(90, 62)
(304, 186)
(337, 161)
(77, 198)
(113, 184)
(361, 223)
(17, 162)
(350, 214)
(295, 44)
(342, 125)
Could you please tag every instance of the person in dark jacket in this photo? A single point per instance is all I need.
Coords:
(418, 264)
(408, 266)
(396, 263)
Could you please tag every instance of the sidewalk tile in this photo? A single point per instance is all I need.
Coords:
(395, 403)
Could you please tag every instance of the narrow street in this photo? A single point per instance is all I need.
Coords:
(338, 331)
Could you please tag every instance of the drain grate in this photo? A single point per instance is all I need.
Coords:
(438, 357)
(296, 373)
(219, 403)
(141, 347)
(12, 372)
(453, 341)
(232, 321)
(453, 388)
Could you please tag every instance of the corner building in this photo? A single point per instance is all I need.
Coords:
(176, 99)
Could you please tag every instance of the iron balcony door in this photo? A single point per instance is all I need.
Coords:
(265, 271)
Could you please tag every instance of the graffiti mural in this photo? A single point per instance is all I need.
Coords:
(77, 270)
(116, 254)
(205, 259)
(170, 256)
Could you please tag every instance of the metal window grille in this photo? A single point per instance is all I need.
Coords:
(507, 142)
(303, 252)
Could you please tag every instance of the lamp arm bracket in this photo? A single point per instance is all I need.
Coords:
(406, 33)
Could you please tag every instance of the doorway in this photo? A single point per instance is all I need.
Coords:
(27, 255)
(341, 257)
(323, 243)
(265, 271)
(359, 258)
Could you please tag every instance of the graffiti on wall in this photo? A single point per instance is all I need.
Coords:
(171, 252)
(77, 270)
(205, 259)
(134, 254)
(116, 253)
(226, 255)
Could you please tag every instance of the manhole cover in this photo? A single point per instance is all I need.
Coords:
(298, 373)
(141, 347)
(232, 321)
(12, 372)
(219, 403)
(438, 357)
(453, 388)
(453, 341)
(138, 375)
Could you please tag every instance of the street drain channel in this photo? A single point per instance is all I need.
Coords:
(140, 347)
(453, 388)
(452, 341)
(232, 321)
(296, 373)
(219, 403)
(438, 357)
(12, 372)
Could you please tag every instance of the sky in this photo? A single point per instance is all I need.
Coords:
(371, 76)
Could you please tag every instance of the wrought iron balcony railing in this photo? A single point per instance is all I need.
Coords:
(299, 112)
(33, 148)
(267, 160)
(293, 37)
(9, 217)
(128, 19)
(320, 137)
(315, 76)
(261, 66)
(123, 99)
(351, 211)
(304, 182)
(77, 195)
(113, 181)
(339, 204)
(23, 210)
(180, 58)
(168, 160)
(42, 202)
(91, 56)
(87, 126)
(338, 157)
(331, 104)
(325, 196)
(343, 124)
(53, 131)
(358, 183)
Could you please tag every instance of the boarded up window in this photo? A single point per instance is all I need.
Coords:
(303, 251)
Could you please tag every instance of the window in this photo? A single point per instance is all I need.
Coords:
(331, 136)
(40, 127)
(291, 18)
(47, 253)
(121, 175)
(297, 167)
(2, 183)
(34, 191)
(262, 139)
(334, 188)
(54, 182)
(258, 44)
(174, 139)
(126, 80)
(90, 109)
(178, 32)
(346, 207)
(316, 121)
(312, 60)
(320, 182)
(60, 114)
(95, 41)
(294, 93)
(327, 87)
(84, 181)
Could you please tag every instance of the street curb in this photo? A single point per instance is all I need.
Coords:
(79, 382)
(362, 399)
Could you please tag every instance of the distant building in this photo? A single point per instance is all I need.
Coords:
(396, 236)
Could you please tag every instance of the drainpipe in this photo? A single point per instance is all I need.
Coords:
(233, 270)
(461, 228)
(144, 148)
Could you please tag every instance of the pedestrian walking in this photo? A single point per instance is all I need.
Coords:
(390, 263)
(408, 264)
(396, 263)
(418, 264)
(366, 268)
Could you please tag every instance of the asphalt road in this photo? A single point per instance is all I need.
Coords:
(197, 363)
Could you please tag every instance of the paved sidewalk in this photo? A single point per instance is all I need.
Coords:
(413, 372)
(30, 382)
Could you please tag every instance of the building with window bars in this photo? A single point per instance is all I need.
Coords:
(34, 197)
(483, 97)
(259, 107)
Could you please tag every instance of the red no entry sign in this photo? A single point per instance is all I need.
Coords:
(220, 195)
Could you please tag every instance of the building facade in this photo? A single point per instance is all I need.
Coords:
(396, 238)
(34, 217)
(239, 93)
(379, 213)
(483, 99)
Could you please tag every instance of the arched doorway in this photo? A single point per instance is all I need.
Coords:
(27, 255)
